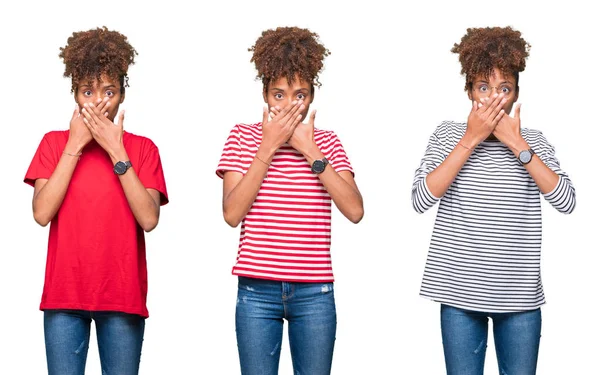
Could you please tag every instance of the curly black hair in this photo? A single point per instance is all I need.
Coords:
(287, 51)
(96, 52)
(483, 49)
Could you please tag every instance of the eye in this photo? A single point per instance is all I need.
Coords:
(110, 93)
(483, 88)
(301, 96)
(87, 93)
(279, 96)
(506, 90)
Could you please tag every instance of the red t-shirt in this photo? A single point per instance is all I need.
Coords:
(96, 250)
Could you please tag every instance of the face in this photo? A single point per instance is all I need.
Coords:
(495, 83)
(93, 91)
(280, 93)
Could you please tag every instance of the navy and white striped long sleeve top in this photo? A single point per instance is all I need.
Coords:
(484, 253)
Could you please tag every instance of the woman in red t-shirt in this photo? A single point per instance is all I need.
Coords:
(279, 178)
(100, 188)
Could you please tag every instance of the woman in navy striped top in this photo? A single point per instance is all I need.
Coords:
(488, 173)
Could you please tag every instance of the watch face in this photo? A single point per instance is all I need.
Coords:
(318, 166)
(525, 156)
(120, 168)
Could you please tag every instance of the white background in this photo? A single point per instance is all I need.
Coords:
(389, 81)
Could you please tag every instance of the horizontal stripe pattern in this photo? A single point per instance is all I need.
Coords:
(286, 235)
(484, 253)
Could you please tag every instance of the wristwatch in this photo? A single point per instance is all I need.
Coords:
(121, 167)
(318, 166)
(525, 156)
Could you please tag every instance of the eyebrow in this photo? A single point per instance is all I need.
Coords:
(280, 89)
(501, 83)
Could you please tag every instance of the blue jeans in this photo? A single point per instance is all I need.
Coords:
(67, 334)
(516, 337)
(309, 308)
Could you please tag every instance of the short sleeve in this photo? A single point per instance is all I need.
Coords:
(336, 155)
(150, 172)
(44, 161)
(231, 158)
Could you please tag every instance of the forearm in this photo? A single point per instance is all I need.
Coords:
(439, 180)
(545, 178)
(51, 194)
(343, 192)
(238, 200)
(144, 207)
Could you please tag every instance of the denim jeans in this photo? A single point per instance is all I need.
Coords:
(516, 337)
(67, 334)
(309, 308)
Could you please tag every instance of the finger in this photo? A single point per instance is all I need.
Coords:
(102, 104)
(103, 108)
(311, 118)
(121, 119)
(496, 106)
(89, 125)
(518, 111)
(491, 103)
(86, 113)
(475, 106)
(287, 109)
(75, 112)
(296, 114)
(498, 117)
(91, 112)
(274, 111)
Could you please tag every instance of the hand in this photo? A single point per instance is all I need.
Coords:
(483, 119)
(280, 128)
(79, 134)
(303, 137)
(508, 130)
(108, 135)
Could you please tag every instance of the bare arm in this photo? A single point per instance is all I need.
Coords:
(239, 191)
(49, 193)
(340, 186)
(144, 203)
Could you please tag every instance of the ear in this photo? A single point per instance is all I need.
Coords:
(122, 98)
(265, 95)
(516, 94)
(470, 95)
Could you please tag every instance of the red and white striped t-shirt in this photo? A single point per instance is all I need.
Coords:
(286, 235)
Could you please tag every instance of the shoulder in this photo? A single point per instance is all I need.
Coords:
(533, 136)
(243, 130)
(138, 140)
(243, 127)
(451, 129)
(325, 136)
(56, 136)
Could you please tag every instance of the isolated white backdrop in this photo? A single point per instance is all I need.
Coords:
(389, 81)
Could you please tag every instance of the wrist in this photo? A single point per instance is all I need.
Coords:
(468, 141)
(118, 154)
(312, 153)
(518, 146)
(74, 147)
(266, 152)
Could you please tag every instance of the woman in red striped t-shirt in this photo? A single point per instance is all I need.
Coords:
(279, 177)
